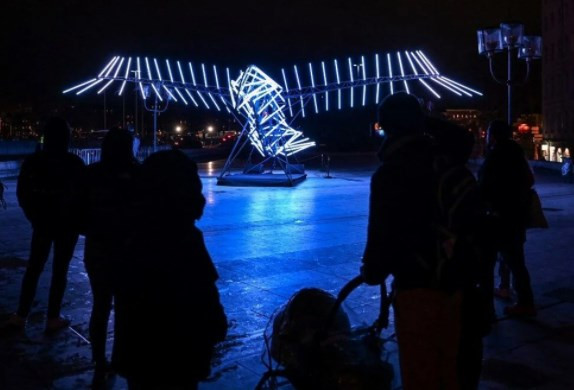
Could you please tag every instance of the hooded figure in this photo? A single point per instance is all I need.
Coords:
(167, 301)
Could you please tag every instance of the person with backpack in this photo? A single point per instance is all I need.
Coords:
(49, 192)
(403, 241)
(505, 180)
(459, 218)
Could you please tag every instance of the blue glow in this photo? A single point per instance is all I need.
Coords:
(377, 92)
(180, 95)
(338, 82)
(299, 86)
(403, 71)
(157, 69)
(192, 74)
(78, 86)
(107, 66)
(180, 72)
(364, 79)
(313, 85)
(287, 91)
(191, 97)
(148, 68)
(169, 70)
(156, 92)
(325, 82)
(125, 76)
(390, 72)
(351, 78)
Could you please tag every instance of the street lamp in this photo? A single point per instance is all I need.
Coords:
(509, 37)
(210, 128)
(178, 129)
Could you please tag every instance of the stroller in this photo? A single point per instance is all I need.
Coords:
(313, 343)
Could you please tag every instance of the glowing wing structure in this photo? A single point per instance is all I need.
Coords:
(263, 102)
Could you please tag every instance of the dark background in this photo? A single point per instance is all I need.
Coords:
(48, 46)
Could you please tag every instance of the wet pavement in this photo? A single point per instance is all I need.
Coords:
(269, 242)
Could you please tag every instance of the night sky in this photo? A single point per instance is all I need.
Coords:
(47, 46)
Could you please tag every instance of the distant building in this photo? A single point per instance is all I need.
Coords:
(558, 79)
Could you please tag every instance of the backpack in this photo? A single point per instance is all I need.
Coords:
(457, 213)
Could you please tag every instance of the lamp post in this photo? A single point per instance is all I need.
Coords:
(510, 38)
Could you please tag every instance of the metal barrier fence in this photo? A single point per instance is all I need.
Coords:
(90, 156)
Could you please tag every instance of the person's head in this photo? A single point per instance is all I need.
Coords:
(450, 140)
(400, 115)
(171, 185)
(117, 147)
(498, 130)
(56, 135)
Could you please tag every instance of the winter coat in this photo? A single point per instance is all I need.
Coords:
(401, 239)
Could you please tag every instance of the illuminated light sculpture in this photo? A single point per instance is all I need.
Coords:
(260, 104)
(259, 99)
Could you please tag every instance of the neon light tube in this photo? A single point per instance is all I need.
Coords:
(325, 82)
(169, 70)
(352, 80)
(107, 66)
(300, 96)
(378, 76)
(79, 86)
(156, 92)
(364, 80)
(180, 95)
(191, 97)
(390, 72)
(96, 82)
(180, 72)
(125, 76)
(148, 68)
(192, 73)
(313, 85)
(287, 91)
(403, 71)
(157, 69)
(338, 82)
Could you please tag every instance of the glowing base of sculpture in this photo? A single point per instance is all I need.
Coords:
(262, 179)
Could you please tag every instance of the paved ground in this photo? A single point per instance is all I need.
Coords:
(269, 242)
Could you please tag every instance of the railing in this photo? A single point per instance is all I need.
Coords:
(90, 156)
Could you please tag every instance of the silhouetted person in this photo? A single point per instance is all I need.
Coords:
(402, 241)
(110, 193)
(505, 179)
(459, 200)
(168, 314)
(49, 187)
